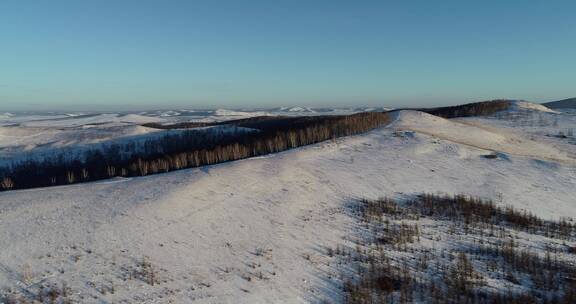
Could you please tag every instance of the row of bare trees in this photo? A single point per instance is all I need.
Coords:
(189, 149)
(455, 249)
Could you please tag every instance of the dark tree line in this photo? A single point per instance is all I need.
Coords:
(188, 149)
(470, 109)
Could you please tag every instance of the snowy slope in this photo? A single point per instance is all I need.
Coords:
(553, 129)
(255, 231)
(530, 106)
(488, 138)
(18, 144)
(23, 144)
(33, 136)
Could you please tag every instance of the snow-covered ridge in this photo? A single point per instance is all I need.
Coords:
(80, 120)
(224, 112)
(6, 115)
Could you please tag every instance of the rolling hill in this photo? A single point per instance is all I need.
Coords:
(259, 230)
(569, 103)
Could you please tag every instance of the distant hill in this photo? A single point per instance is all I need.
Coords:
(569, 103)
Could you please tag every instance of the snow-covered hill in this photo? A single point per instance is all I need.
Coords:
(476, 135)
(36, 135)
(91, 120)
(530, 106)
(256, 230)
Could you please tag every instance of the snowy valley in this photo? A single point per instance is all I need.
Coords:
(283, 227)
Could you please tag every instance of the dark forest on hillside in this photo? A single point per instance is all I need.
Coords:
(204, 144)
(192, 148)
(470, 109)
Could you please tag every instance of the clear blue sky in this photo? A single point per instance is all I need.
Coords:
(197, 54)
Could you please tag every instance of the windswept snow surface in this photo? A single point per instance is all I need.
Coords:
(256, 230)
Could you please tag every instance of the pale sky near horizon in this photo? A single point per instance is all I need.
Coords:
(97, 55)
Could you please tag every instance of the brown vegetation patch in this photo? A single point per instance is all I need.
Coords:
(456, 249)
